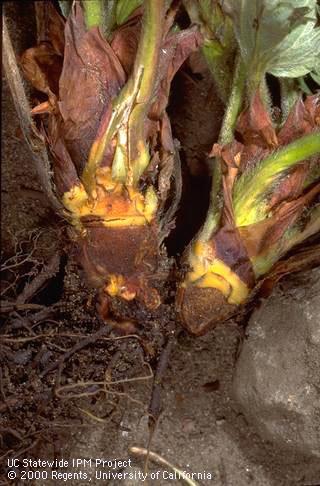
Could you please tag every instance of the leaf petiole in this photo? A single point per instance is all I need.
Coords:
(226, 135)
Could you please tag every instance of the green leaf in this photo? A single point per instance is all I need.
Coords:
(215, 24)
(277, 36)
(297, 53)
(125, 8)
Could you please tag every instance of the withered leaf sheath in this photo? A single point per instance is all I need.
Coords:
(110, 138)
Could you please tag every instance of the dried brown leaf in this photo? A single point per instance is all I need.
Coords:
(255, 125)
(91, 77)
(125, 42)
(303, 260)
(260, 237)
(65, 174)
(302, 119)
(42, 66)
(50, 25)
(175, 50)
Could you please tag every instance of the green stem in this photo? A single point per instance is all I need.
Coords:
(219, 67)
(125, 8)
(289, 96)
(253, 185)
(109, 17)
(100, 13)
(234, 105)
(148, 50)
(226, 136)
(147, 61)
(93, 13)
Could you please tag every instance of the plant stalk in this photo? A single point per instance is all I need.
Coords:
(100, 13)
(147, 62)
(289, 96)
(93, 13)
(225, 137)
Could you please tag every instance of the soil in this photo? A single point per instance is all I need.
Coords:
(94, 403)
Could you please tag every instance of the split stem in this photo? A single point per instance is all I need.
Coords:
(146, 62)
(130, 108)
(147, 55)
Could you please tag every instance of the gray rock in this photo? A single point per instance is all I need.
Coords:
(277, 378)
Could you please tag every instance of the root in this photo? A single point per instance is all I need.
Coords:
(141, 452)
